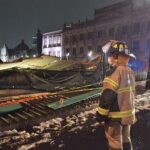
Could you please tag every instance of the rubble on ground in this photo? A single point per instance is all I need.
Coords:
(67, 133)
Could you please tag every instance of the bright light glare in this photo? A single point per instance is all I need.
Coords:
(106, 47)
(67, 54)
(90, 53)
(132, 55)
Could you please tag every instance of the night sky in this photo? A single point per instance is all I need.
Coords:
(19, 19)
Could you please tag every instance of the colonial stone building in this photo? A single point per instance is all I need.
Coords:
(52, 43)
(123, 21)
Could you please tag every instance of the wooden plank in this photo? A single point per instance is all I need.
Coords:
(43, 112)
(35, 113)
(5, 120)
(21, 116)
(12, 117)
(28, 114)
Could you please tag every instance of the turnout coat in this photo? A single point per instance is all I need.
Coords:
(117, 98)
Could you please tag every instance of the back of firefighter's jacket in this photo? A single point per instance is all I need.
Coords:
(122, 83)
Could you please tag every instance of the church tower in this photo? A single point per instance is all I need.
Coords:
(37, 42)
(4, 53)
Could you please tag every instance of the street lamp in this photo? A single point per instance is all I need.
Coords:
(90, 53)
(67, 56)
(105, 50)
(34, 55)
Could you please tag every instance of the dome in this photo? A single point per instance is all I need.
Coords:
(22, 46)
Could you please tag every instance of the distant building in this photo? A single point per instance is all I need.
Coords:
(4, 56)
(37, 42)
(52, 44)
(121, 21)
(22, 50)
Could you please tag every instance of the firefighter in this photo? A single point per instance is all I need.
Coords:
(116, 111)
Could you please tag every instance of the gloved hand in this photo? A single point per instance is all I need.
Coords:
(101, 119)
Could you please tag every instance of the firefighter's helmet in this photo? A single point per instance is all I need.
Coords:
(117, 47)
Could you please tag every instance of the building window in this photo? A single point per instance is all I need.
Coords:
(111, 32)
(136, 45)
(59, 44)
(74, 39)
(67, 50)
(50, 40)
(55, 40)
(104, 33)
(45, 41)
(81, 37)
(136, 27)
(124, 30)
(71, 39)
(74, 52)
(66, 40)
(148, 26)
(81, 50)
(89, 48)
(90, 35)
(59, 40)
(99, 34)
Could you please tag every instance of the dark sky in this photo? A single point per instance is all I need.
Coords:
(19, 19)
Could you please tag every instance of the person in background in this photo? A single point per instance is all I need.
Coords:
(116, 110)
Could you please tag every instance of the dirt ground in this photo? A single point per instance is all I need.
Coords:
(94, 138)
(77, 132)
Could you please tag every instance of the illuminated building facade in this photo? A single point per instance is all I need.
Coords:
(123, 21)
(52, 44)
